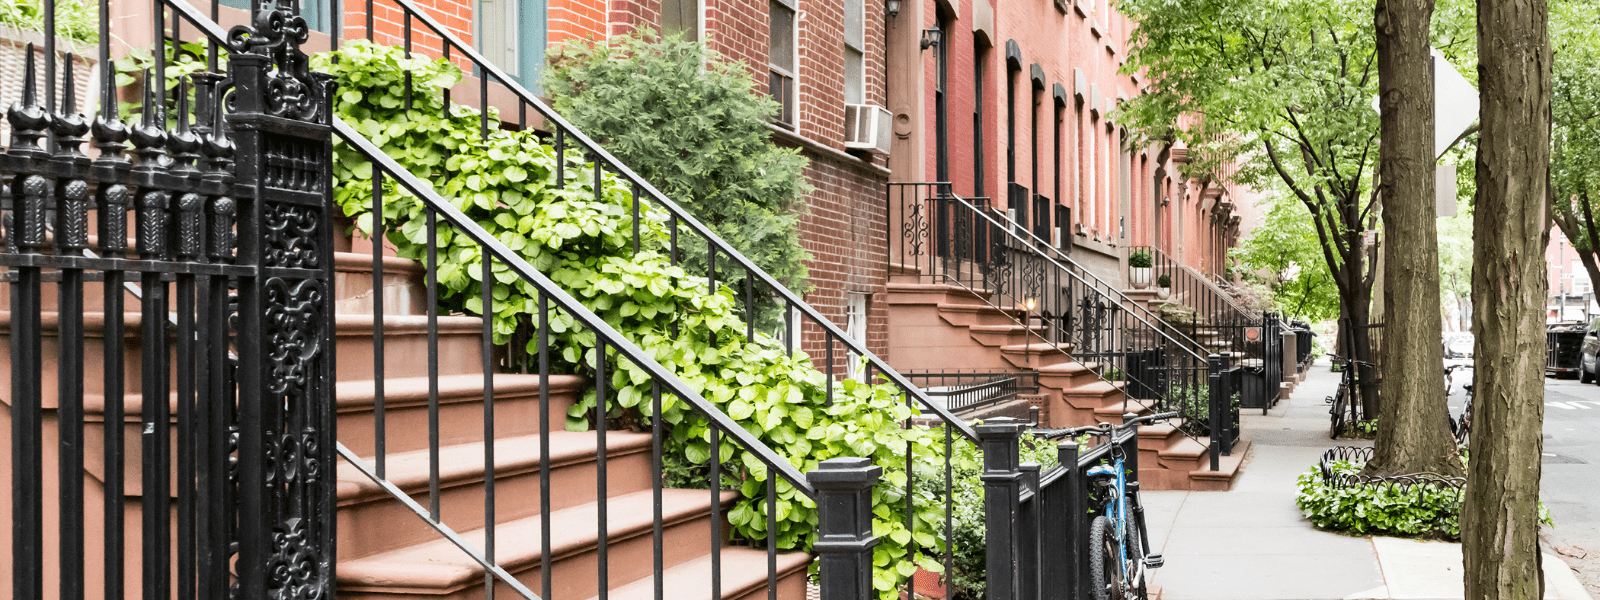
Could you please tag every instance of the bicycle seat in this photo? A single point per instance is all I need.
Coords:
(1102, 471)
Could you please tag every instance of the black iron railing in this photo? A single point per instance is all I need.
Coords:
(804, 328)
(1202, 310)
(1038, 520)
(1066, 308)
(963, 391)
(231, 335)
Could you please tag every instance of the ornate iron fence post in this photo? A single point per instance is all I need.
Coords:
(280, 125)
(1002, 489)
(844, 523)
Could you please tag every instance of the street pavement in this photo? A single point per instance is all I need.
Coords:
(1571, 483)
(1252, 543)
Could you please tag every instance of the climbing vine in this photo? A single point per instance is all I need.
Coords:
(583, 241)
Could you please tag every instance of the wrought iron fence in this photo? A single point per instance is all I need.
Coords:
(1198, 307)
(762, 296)
(1038, 520)
(221, 375)
(233, 227)
(1064, 306)
(963, 391)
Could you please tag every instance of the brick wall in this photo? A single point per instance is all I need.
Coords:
(845, 230)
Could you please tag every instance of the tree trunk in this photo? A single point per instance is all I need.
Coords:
(1413, 423)
(1500, 520)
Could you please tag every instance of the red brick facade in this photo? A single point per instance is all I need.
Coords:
(1054, 62)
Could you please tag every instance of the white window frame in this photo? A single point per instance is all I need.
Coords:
(856, 41)
(793, 95)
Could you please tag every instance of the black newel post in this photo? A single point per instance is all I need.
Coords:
(1002, 488)
(1063, 523)
(279, 123)
(1214, 422)
(1028, 520)
(844, 523)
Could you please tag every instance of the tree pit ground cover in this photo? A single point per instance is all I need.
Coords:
(582, 240)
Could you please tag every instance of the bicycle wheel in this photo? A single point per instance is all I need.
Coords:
(1105, 575)
(1336, 420)
(1135, 587)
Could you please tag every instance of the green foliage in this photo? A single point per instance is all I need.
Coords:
(1429, 511)
(1164, 281)
(1417, 511)
(1284, 254)
(968, 527)
(696, 128)
(1575, 131)
(1139, 259)
(583, 242)
(182, 60)
(75, 20)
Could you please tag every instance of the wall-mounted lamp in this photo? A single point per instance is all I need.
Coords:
(930, 37)
(894, 8)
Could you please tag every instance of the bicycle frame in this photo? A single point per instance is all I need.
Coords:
(1116, 505)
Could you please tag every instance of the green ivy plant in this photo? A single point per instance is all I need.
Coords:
(1418, 511)
(968, 525)
(582, 239)
(75, 20)
(1427, 511)
(182, 60)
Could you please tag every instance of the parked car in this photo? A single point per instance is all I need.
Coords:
(1590, 363)
(1458, 345)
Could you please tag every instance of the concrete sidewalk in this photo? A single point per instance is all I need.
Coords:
(1252, 543)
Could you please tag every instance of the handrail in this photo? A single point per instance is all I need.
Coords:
(1007, 230)
(514, 262)
(567, 303)
(724, 249)
(1037, 242)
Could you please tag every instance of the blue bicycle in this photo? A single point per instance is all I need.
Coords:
(1119, 555)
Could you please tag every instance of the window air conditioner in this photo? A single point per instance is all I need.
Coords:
(866, 127)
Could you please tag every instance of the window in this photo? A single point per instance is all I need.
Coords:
(979, 55)
(781, 57)
(855, 55)
(511, 35)
(856, 328)
(681, 17)
(1077, 157)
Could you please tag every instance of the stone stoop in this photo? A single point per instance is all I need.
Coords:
(384, 550)
(940, 327)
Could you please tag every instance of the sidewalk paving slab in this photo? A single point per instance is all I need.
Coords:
(1252, 542)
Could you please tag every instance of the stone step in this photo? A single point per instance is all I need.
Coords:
(371, 522)
(437, 569)
(405, 349)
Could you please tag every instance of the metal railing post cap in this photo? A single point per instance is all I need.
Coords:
(844, 474)
(999, 427)
(1126, 417)
(844, 526)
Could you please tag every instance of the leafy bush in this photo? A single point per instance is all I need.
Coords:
(1139, 259)
(1164, 281)
(696, 128)
(968, 555)
(583, 242)
(75, 20)
(1425, 510)
(1414, 511)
